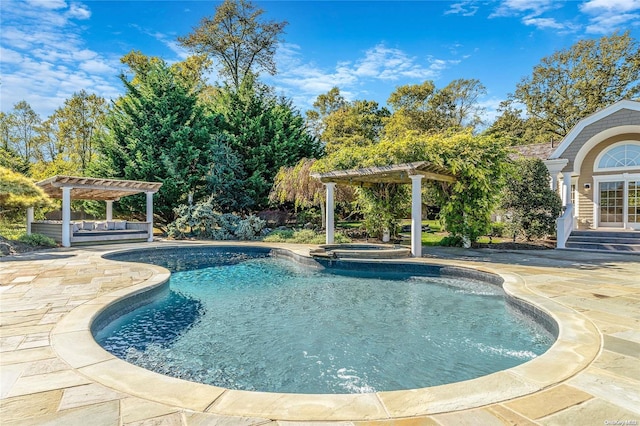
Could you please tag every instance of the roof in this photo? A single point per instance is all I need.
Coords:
(88, 188)
(599, 115)
(537, 150)
(396, 173)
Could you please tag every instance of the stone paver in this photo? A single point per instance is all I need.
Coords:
(53, 373)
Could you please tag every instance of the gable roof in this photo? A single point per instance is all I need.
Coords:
(596, 116)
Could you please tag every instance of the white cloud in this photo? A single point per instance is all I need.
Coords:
(607, 16)
(544, 23)
(45, 59)
(531, 7)
(303, 82)
(464, 8)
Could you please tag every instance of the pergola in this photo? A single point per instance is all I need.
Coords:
(406, 173)
(88, 188)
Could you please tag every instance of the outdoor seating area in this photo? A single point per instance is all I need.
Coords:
(94, 232)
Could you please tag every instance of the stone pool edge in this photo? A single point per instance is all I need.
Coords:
(578, 344)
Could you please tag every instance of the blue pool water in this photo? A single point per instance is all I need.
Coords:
(255, 322)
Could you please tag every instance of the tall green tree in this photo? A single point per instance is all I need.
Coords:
(79, 120)
(573, 83)
(325, 104)
(531, 204)
(266, 132)
(512, 126)
(238, 39)
(158, 131)
(23, 132)
(358, 123)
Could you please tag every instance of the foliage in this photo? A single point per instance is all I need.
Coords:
(452, 241)
(266, 132)
(515, 129)
(10, 229)
(421, 108)
(531, 205)
(478, 162)
(20, 132)
(357, 124)
(573, 83)
(203, 222)
(158, 131)
(303, 236)
(78, 121)
(17, 192)
(237, 39)
(324, 105)
(383, 206)
(37, 240)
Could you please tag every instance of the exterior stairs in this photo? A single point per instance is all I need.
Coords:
(609, 241)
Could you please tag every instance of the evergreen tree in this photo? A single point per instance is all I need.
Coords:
(266, 132)
(532, 205)
(158, 131)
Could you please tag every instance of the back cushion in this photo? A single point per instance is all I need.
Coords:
(121, 225)
(87, 225)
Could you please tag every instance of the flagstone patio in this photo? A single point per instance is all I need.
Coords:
(52, 373)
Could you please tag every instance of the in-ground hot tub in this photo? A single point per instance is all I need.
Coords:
(361, 251)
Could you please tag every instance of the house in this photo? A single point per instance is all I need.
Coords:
(596, 169)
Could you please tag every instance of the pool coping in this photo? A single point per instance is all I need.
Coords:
(578, 344)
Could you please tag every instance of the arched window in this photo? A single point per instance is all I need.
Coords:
(620, 156)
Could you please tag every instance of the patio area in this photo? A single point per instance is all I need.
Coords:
(52, 374)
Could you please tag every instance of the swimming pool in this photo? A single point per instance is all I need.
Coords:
(393, 327)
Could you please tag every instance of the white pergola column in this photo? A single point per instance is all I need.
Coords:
(329, 226)
(29, 219)
(416, 215)
(66, 216)
(109, 209)
(566, 188)
(554, 183)
(150, 215)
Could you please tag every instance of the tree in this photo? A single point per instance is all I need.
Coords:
(358, 123)
(423, 109)
(237, 39)
(511, 126)
(573, 83)
(17, 192)
(266, 132)
(24, 121)
(324, 105)
(158, 131)
(79, 120)
(531, 204)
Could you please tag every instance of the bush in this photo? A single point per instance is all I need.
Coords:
(498, 229)
(203, 222)
(452, 241)
(37, 240)
(303, 236)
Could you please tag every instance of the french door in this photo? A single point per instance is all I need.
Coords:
(619, 203)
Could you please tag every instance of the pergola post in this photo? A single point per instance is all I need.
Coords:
(109, 209)
(150, 215)
(66, 216)
(416, 215)
(329, 226)
(29, 219)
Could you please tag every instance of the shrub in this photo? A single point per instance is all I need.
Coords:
(452, 241)
(37, 240)
(303, 236)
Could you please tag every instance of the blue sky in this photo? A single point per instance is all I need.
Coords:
(50, 49)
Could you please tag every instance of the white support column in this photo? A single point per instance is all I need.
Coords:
(150, 215)
(29, 219)
(566, 188)
(109, 209)
(416, 215)
(554, 182)
(329, 226)
(66, 216)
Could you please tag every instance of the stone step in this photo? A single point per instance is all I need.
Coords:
(603, 246)
(604, 240)
(607, 234)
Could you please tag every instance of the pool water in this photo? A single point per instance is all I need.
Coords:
(268, 324)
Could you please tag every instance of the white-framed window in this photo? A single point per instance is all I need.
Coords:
(619, 156)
